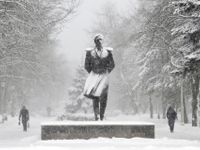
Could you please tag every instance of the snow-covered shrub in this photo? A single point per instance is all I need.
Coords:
(77, 103)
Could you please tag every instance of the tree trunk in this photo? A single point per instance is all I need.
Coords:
(163, 104)
(158, 110)
(150, 107)
(158, 115)
(3, 101)
(182, 102)
(185, 112)
(12, 111)
(164, 111)
(135, 107)
(198, 112)
(195, 91)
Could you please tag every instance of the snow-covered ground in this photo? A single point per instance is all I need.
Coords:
(184, 138)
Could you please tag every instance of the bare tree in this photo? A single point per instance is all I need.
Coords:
(28, 28)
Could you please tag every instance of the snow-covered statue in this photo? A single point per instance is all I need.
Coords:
(98, 63)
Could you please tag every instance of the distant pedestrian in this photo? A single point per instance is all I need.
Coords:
(171, 116)
(49, 110)
(98, 63)
(24, 117)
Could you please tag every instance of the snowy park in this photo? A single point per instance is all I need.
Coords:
(99, 74)
(185, 137)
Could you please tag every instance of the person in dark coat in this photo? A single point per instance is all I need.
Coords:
(98, 63)
(171, 116)
(24, 117)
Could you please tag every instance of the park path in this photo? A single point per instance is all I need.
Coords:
(186, 132)
(11, 134)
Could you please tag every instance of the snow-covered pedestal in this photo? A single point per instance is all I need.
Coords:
(94, 129)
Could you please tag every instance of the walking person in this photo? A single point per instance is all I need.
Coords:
(171, 116)
(98, 63)
(24, 117)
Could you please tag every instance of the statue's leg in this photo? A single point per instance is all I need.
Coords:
(103, 104)
(96, 107)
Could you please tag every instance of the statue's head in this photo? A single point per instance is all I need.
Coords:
(98, 40)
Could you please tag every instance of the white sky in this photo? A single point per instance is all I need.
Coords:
(74, 38)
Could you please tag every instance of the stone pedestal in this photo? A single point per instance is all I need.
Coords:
(92, 129)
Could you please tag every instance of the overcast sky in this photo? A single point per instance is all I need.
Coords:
(74, 39)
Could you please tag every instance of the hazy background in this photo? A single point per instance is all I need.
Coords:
(74, 38)
(42, 63)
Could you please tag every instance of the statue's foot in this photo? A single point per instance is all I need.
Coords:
(96, 118)
(101, 117)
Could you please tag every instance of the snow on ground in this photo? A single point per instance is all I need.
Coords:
(184, 138)
(186, 131)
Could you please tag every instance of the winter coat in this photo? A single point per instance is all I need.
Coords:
(24, 114)
(99, 64)
(171, 114)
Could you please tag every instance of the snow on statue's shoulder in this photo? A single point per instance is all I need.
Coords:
(89, 49)
(109, 48)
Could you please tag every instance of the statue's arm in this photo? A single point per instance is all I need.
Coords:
(87, 65)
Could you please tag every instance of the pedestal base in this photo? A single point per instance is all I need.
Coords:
(95, 129)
